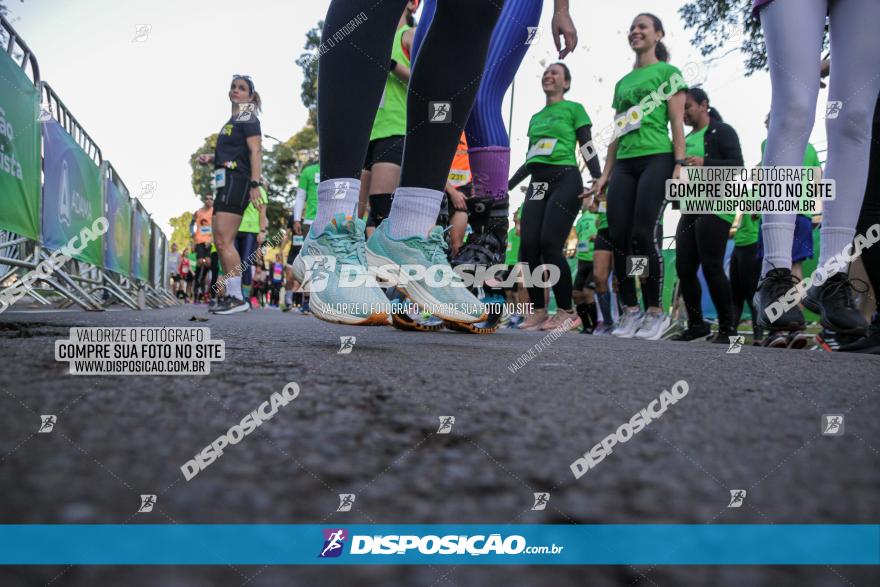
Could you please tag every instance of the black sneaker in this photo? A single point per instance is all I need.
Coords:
(868, 344)
(835, 302)
(231, 305)
(697, 332)
(775, 340)
(723, 335)
(830, 341)
(772, 288)
(797, 339)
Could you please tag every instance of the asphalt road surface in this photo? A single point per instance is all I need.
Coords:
(366, 423)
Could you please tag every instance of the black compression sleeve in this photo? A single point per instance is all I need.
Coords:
(520, 175)
(584, 136)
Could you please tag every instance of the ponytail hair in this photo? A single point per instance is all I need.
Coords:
(699, 96)
(660, 49)
(255, 98)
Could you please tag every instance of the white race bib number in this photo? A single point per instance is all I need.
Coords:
(219, 178)
(603, 207)
(317, 178)
(297, 240)
(628, 121)
(459, 177)
(583, 247)
(205, 229)
(542, 147)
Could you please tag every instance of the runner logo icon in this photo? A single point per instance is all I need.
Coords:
(736, 498)
(832, 424)
(440, 111)
(47, 423)
(147, 503)
(334, 542)
(533, 35)
(637, 266)
(736, 344)
(346, 500)
(346, 344)
(832, 110)
(541, 500)
(539, 190)
(446, 423)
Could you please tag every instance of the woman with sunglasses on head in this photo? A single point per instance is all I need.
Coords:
(237, 162)
(647, 101)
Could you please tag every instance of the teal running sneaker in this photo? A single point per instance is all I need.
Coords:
(332, 268)
(418, 266)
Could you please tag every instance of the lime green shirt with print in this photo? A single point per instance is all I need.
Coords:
(511, 256)
(250, 220)
(309, 179)
(391, 116)
(552, 133)
(640, 101)
(585, 227)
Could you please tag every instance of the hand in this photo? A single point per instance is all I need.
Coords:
(676, 173)
(694, 161)
(599, 186)
(256, 197)
(297, 228)
(261, 238)
(205, 159)
(457, 199)
(562, 25)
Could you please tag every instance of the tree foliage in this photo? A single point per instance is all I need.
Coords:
(202, 175)
(308, 62)
(180, 230)
(717, 22)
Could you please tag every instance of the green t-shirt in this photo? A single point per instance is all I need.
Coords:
(811, 159)
(391, 116)
(309, 179)
(250, 220)
(585, 227)
(552, 137)
(644, 123)
(511, 256)
(747, 233)
(695, 146)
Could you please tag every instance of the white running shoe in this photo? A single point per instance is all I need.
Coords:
(653, 325)
(628, 324)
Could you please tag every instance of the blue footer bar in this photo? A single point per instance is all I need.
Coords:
(456, 544)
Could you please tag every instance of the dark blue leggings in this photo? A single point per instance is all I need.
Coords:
(485, 127)
(245, 244)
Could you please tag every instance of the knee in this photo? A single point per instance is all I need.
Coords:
(796, 118)
(643, 240)
(853, 125)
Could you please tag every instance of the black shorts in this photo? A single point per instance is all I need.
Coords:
(387, 150)
(175, 277)
(203, 250)
(583, 275)
(189, 277)
(295, 249)
(233, 197)
(603, 241)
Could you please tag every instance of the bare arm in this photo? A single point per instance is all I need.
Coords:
(255, 145)
(676, 119)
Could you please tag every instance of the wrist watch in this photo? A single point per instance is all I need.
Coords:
(254, 184)
(682, 162)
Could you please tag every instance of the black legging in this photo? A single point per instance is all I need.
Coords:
(636, 198)
(352, 75)
(745, 270)
(546, 224)
(870, 214)
(700, 240)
